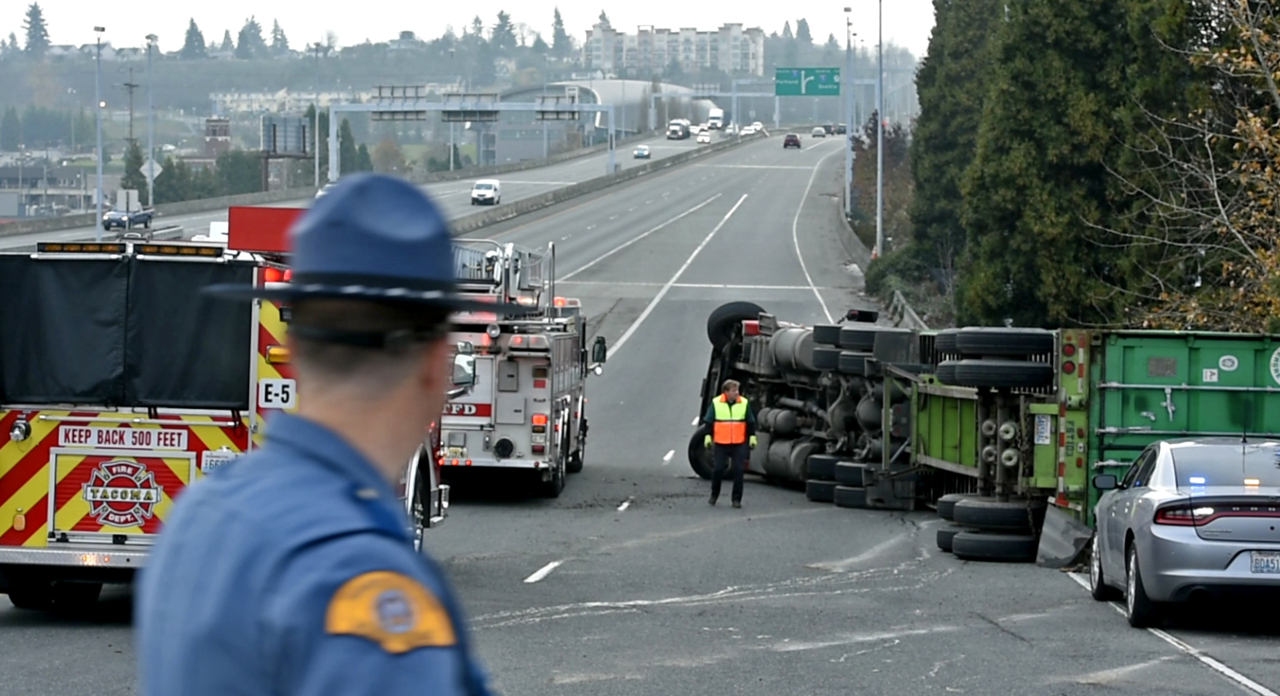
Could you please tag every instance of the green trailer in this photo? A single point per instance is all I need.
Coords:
(1036, 417)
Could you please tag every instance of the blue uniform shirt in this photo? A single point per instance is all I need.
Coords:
(292, 571)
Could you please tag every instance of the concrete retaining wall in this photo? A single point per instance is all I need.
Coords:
(68, 222)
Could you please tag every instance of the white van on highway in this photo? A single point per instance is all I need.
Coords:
(486, 191)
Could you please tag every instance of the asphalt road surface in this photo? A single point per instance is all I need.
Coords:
(454, 196)
(629, 583)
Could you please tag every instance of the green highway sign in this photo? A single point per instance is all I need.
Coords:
(807, 82)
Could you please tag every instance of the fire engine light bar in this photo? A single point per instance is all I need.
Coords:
(529, 342)
(277, 355)
(175, 250)
(64, 248)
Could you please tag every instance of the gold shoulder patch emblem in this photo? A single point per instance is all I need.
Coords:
(392, 610)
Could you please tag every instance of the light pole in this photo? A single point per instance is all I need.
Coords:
(880, 131)
(151, 127)
(316, 125)
(546, 138)
(847, 103)
(97, 98)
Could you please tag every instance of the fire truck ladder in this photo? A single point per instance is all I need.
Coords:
(507, 272)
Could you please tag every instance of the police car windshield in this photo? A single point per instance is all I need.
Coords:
(1255, 463)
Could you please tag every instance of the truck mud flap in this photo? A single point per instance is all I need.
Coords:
(1062, 539)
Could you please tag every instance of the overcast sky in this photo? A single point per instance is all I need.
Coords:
(906, 22)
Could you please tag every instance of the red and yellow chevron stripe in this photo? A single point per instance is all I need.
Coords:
(271, 333)
(25, 470)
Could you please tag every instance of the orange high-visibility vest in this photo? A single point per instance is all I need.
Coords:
(731, 421)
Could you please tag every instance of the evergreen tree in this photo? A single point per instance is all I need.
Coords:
(280, 42)
(347, 152)
(1040, 174)
(193, 47)
(239, 171)
(251, 44)
(37, 32)
(133, 178)
(10, 129)
(952, 86)
(802, 33)
(484, 73)
(560, 45)
(539, 46)
(364, 163)
(503, 37)
(227, 44)
(477, 29)
(604, 19)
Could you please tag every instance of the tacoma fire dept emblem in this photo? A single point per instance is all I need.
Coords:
(122, 493)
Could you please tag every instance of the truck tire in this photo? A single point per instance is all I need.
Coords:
(858, 338)
(826, 358)
(826, 335)
(822, 467)
(1003, 374)
(947, 505)
(986, 546)
(699, 455)
(946, 535)
(75, 596)
(553, 487)
(850, 497)
(578, 456)
(979, 341)
(853, 362)
(946, 372)
(985, 513)
(945, 342)
(851, 474)
(725, 318)
(820, 491)
(32, 595)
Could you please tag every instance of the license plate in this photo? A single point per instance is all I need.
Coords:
(456, 452)
(1266, 562)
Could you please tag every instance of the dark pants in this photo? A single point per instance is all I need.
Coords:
(725, 456)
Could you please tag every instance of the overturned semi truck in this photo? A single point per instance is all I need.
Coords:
(1000, 429)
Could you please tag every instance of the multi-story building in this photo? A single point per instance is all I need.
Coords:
(650, 50)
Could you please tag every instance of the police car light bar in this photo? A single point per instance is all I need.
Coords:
(78, 248)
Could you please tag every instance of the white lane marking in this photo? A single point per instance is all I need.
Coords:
(613, 217)
(625, 504)
(591, 227)
(540, 183)
(543, 572)
(631, 209)
(565, 237)
(795, 236)
(666, 458)
(628, 243)
(855, 638)
(631, 330)
(1191, 650)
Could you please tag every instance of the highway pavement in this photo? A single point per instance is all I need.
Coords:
(630, 583)
(454, 196)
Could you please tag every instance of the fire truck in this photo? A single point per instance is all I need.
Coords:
(527, 409)
(121, 384)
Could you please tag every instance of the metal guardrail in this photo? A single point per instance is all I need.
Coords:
(903, 315)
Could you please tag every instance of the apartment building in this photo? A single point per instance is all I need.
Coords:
(652, 50)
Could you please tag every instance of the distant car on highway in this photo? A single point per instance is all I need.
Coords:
(704, 137)
(486, 191)
(641, 152)
(791, 140)
(126, 219)
(1190, 517)
(819, 132)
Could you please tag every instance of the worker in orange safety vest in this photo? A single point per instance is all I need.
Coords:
(732, 427)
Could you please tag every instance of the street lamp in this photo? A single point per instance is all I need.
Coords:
(151, 127)
(97, 98)
(847, 103)
(880, 131)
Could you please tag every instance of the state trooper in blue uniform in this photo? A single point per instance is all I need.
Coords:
(292, 570)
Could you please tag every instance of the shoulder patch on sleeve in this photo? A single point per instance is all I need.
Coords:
(391, 609)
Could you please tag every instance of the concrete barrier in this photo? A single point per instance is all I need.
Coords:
(203, 205)
(524, 206)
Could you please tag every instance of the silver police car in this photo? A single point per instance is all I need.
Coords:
(1190, 518)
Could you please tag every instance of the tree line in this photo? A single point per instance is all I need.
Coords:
(1098, 163)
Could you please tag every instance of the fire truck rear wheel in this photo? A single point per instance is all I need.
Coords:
(555, 485)
(724, 320)
(32, 595)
